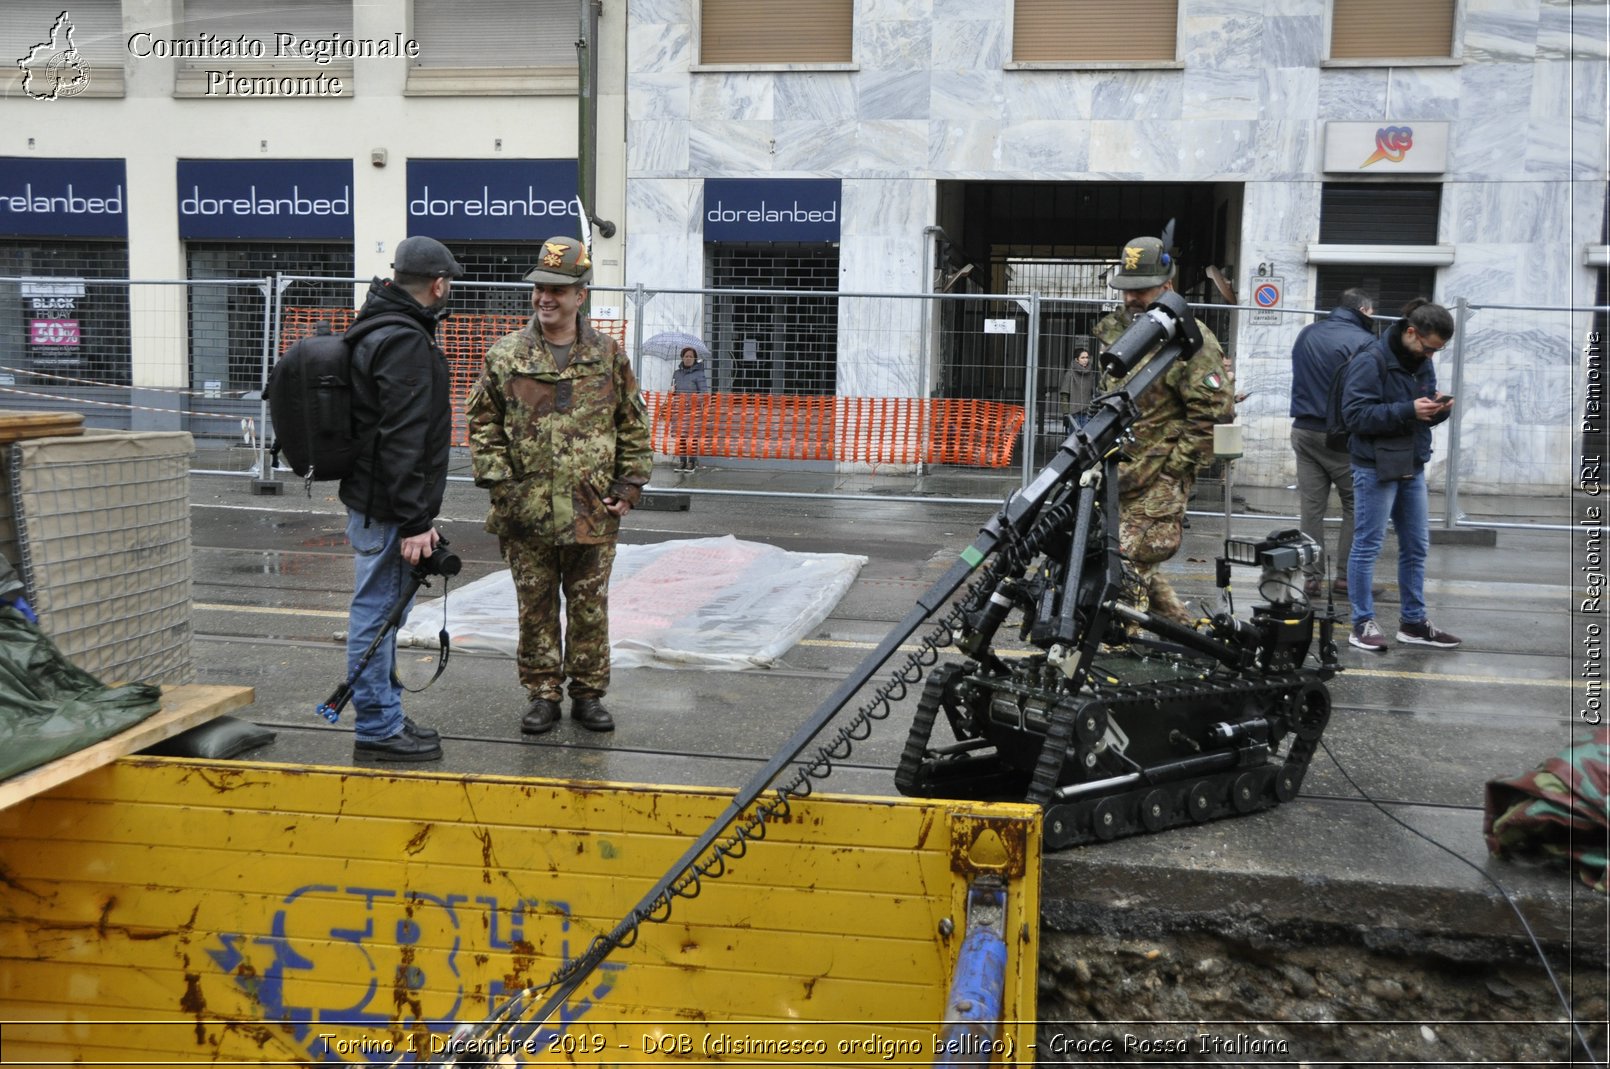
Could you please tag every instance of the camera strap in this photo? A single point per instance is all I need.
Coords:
(444, 647)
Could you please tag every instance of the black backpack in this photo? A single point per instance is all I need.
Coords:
(309, 397)
(1337, 435)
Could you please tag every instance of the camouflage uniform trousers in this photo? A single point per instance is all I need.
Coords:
(582, 571)
(1151, 525)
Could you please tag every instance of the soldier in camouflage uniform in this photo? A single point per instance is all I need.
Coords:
(1173, 433)
(559, 436)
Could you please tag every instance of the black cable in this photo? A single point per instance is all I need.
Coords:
(1537, 946)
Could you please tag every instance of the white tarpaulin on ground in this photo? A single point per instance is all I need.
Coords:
(716, 603)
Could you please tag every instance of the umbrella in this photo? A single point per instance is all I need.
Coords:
(670, 344)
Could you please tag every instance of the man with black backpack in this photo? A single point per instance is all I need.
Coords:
(402, 411)
(1317, 359)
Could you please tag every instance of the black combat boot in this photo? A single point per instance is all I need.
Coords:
(541, 715)
(591, 714)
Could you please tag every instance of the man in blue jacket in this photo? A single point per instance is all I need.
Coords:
(1319, 351)
(1390, 405)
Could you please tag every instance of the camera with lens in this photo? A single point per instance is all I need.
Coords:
(442, 561)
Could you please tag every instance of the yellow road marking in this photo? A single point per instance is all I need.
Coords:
(332, 613)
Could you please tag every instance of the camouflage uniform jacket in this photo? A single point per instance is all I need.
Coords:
(550, 445)
(1174, 431)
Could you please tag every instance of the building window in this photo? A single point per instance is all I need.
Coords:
(61, 332)
(782, 344)
(494, 48)
(1391, 29)
(292, 45)
(775, 31)
(1358, 213)
(226, 322)
(1094, 31)
(80, 55)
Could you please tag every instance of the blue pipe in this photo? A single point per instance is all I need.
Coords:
(970, 1034)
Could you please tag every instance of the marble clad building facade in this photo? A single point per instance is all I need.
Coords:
(932, 96)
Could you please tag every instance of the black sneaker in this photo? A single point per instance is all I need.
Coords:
(1367, 636)
(1425, 633)
(403, 746)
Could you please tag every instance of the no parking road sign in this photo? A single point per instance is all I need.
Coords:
(1266, 294)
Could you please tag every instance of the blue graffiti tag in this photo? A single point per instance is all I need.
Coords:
(324, 940)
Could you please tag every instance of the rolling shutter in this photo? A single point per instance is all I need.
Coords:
(1388, 29)
(496, 33)
(1048, 31)
(1359, 213)
(302, 19)
(776, 31)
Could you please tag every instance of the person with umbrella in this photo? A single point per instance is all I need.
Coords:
(688, 381)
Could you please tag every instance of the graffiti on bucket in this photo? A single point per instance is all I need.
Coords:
(375, 959)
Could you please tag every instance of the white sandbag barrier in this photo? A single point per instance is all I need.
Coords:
(715, 603)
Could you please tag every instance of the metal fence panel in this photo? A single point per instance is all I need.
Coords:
(888, 372)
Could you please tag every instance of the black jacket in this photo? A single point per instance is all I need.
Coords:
(1318, 351)
(400, 388)
(1382, 383)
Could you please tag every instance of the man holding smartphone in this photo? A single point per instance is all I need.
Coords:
(1390, 405)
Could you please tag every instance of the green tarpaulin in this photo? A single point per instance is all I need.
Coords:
(49, 707)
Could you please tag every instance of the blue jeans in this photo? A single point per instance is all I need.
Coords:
(1403, 501)
(381, 575)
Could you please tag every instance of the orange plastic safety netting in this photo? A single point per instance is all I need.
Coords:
(867, 430)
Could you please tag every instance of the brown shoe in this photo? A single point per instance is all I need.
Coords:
(540, 716)
(591, 714)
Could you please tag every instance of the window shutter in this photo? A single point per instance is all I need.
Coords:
(1357, 213)
(310, 19)
(1388, 29)
(496, 33)
(97, 28)
(1049, 31)
(776, 31)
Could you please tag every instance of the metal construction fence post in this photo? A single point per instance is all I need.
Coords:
(1031, 390)
(930, 309)
(1450, 476)
(272, 288)
(639, 299)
